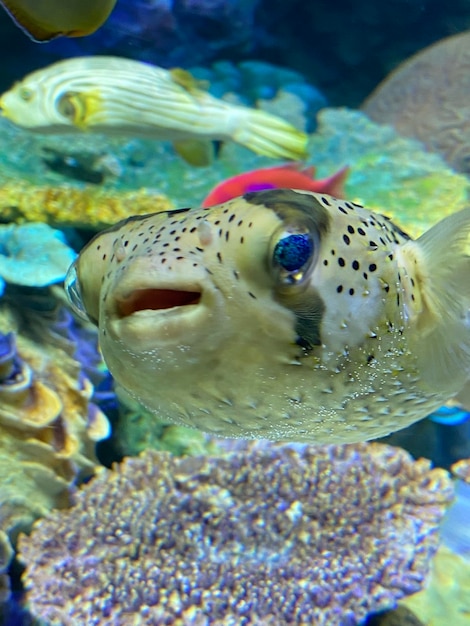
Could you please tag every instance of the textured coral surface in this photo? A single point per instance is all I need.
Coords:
(48, 430)
(265, 534)
(427, 98)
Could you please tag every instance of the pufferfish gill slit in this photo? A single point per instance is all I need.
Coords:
(281, 314)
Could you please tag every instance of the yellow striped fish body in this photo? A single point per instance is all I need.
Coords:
(44, 20)
(281, 315)
(121, 96)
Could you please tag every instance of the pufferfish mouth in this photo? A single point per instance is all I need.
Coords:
(154, 299)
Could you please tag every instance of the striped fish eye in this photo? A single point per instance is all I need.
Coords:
(293, 256)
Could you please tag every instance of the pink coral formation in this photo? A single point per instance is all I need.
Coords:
(265, 534)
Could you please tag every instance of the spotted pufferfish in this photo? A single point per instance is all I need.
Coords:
(282, 314)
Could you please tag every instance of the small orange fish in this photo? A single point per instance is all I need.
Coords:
(290, 175)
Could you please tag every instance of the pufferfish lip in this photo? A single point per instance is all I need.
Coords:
(158, 313)
(155, 299)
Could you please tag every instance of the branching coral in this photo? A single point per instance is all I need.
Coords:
(48, 429)
(265, 534)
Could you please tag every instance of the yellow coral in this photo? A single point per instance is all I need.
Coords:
(46, 435)
(72, 206)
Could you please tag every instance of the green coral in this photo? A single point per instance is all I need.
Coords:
(388, 172)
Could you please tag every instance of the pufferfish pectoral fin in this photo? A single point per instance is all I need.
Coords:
(195, 152)
(463, 397)
(440, 332)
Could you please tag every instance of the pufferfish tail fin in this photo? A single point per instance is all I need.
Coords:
(442, 341)
(270, 135)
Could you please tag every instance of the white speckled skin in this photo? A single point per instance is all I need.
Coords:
(335, 357)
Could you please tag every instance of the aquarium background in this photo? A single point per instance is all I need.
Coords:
(314, 64)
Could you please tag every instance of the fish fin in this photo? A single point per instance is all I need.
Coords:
(309, 171)
(463, 397)
(270, 135)
(80, 108)
(441, 257)
(195, 152)
(186, 80)
(334, 185)
(298, 166)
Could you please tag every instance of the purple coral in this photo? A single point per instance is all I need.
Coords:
(265, 534)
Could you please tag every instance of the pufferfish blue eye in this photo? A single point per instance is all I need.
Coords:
(293, 252)
(72, 291)
(293, 257)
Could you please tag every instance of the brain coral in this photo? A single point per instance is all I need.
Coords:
(427, 97)
(264, 534)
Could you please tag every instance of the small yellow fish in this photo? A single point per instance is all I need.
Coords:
(121, 96)
(43, 20)
(282, 314)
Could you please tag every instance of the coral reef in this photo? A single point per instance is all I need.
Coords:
(48, 431)
(461, 469)
(427, 98)
(389, 173)
(74, 206)
(34, 255)
(446, 598)
(337, 531)
(255, 80)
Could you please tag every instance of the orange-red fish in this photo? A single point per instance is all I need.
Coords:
(290, 175)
